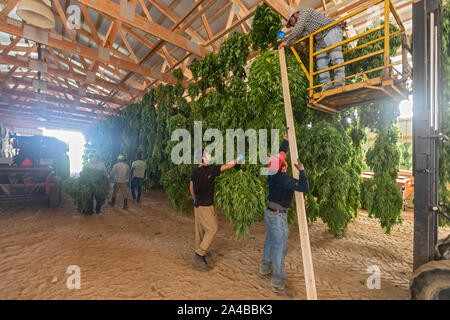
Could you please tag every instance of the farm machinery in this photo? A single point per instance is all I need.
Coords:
(32, 169)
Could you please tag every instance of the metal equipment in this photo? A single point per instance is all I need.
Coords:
(362, 87)
(35, 171)
(431, 279)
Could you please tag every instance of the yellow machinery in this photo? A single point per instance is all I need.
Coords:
(391, 85)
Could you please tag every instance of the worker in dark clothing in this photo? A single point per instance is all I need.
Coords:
(202, 193)
(138, 171)
(281, 190)
(94, 163)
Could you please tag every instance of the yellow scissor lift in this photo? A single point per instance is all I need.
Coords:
(391, 85)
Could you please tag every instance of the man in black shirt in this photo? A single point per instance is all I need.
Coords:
(281, 190)
(202, 193)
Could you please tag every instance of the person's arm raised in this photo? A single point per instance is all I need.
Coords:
(231, 164)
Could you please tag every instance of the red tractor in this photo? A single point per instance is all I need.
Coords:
(35, 171)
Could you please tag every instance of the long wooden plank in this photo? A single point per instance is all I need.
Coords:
(310, 282)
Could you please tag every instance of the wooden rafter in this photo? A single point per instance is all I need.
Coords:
(113, 10)
(89, 53)
(51, 98)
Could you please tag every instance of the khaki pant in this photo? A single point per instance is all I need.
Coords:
(206, 224)
(123, 189)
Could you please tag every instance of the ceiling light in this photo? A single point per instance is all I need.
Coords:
(36, 13)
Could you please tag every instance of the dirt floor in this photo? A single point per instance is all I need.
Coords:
(145, 253)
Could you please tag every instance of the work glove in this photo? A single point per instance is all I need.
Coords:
(280, 34)
(240, 158)
(195, 202)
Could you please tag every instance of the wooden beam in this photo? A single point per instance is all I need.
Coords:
(62, 15)
(50, 98)
(66, 114)
(10, 5)
(144, 8)
(197, 14)
(31, 112)
(25, 63)
(172, 16)
(90, 23)
(89, 53)
(158, 45)
(110, 37)
(58, 89)
(130, 50)
(208, 30)
(234, 25)
(11, 46)
(310, 282)
(113, 10)
(228, 25)
(279, 6)
(30, 121)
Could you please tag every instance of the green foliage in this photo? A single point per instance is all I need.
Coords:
(265, 26)
(233, 53)
(242, 197)
(330, 146)
(176, 184)
(326, 150)
(406, 154)
(384, 201)
(91, 181)
(376, 61)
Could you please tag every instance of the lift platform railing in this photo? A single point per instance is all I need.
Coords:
(387, 65)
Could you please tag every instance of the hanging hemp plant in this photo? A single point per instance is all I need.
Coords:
(381, 195)
(222, 96)
(265, 26)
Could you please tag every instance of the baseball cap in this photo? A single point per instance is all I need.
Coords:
(121, 157)
(276, 162)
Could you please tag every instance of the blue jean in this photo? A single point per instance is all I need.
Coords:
(275, 247)
(137, 183)
(335, 55)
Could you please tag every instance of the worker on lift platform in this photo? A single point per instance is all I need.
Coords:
(306, 21)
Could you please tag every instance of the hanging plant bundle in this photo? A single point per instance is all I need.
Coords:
(265, 26)
(383, 199)
(91, 181)
(242, 197)
(221, 98)
(395, 43)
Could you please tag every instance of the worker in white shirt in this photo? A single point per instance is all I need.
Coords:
(120, 175)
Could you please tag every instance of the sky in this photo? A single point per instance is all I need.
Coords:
(76, 142)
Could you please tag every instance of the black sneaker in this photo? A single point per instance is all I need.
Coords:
(285, 292)
(200, 263)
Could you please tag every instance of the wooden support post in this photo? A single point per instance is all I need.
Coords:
(310, 282)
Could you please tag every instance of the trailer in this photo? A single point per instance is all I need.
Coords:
(35, 171)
